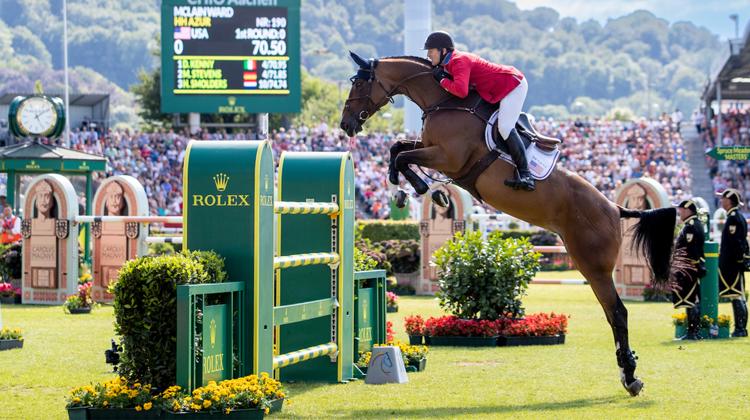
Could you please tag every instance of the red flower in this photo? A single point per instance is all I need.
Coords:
(414, 325)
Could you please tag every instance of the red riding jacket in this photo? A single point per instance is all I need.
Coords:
(492, 81)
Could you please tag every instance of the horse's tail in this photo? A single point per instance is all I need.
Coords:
(653, 236)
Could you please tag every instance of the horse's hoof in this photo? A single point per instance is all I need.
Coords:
(439, 198)
(634, 388)
(401, 198)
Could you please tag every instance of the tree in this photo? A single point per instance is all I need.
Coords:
(148, 96)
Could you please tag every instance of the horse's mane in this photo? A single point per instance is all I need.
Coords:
(418, 60)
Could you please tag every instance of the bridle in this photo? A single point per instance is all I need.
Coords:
(369, 75)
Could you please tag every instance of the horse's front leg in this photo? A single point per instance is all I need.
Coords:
(432, 157)
(396, 148)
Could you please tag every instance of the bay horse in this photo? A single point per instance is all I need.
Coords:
(452, 142)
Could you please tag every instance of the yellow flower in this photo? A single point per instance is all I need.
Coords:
(206, 403)
(147, 406)
(138, 408)
(76, 400)
(105, 403)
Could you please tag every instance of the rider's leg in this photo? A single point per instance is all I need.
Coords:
(510, 109)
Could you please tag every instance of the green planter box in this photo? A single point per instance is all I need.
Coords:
(10, 344)
(531, 341)
(680, 331)
(78, 311)
(464, 341)
(415, 340)
(243, 414)
(391, 309)
(418, 367)
(122, 414)
(723, 332)
(78, 413)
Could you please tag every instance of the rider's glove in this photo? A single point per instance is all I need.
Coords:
(439, 73)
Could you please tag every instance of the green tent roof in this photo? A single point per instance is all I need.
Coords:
(33, 156)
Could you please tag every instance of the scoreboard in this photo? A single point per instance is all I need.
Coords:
(230, 56)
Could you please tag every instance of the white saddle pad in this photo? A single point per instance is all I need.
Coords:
(541, 162)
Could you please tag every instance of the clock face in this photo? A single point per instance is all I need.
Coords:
(37, 116)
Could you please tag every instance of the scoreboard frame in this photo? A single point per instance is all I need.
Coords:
(231, 103)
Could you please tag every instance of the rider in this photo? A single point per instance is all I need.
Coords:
(457, 71)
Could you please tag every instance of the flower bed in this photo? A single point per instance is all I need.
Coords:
(248, 397)
(538, 328)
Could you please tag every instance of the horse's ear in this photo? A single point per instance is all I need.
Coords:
(361, 62)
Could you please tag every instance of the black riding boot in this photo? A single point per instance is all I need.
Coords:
(523, 179)
(694, 319)
(739, 307)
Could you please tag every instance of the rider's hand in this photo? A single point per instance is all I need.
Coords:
(439, 73)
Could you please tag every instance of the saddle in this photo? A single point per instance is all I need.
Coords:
(475, 105)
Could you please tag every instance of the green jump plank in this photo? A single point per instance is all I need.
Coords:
(211, 288)
(297, 312)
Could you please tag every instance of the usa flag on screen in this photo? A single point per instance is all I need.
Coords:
(182, 32)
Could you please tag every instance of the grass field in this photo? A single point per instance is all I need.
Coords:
(575, 380)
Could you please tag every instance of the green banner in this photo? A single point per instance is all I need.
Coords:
(216, 344)
(730, 153)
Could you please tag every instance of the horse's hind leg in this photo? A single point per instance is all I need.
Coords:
(597, 268)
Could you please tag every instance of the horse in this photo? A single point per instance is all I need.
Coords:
(452, 142)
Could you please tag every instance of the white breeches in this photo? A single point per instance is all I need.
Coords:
(510, 108)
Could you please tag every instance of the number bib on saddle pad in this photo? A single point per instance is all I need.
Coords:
(541, 161)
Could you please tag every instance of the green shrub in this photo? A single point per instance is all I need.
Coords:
(403, 255)
(484, 278)
(145, 309)
(212, 263)
(160, 249)
(381, 262)
(383, 230)
(362, 261)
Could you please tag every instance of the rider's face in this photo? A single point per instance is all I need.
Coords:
(434, 55)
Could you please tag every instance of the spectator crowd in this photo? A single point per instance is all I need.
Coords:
(606, 153)
(735, 131)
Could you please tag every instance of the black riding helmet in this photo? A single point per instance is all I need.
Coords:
(439, 40)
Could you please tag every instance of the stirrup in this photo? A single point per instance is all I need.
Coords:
(519, 183)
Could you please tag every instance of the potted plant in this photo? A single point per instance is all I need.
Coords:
(680, 324)
(415, 356)
(414, 326)
(535, 329)
(707, 327)
(391, 302)
(9, 294)
(11, 339)
(81, 302)
(724, 322)
(249, 397)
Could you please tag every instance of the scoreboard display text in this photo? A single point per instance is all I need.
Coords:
(230, 56)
